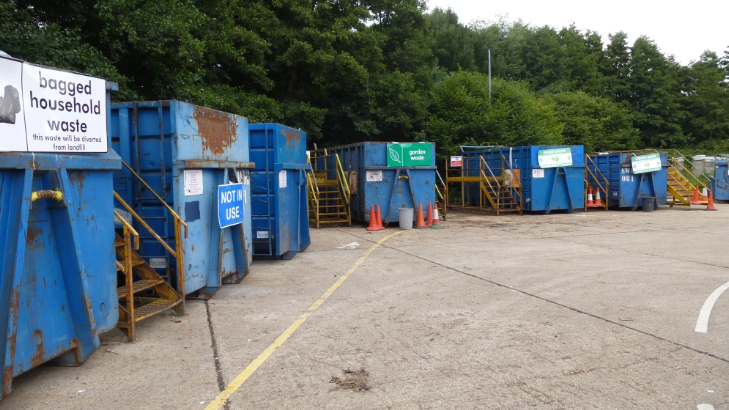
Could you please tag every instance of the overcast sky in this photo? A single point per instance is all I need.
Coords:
(684, 29)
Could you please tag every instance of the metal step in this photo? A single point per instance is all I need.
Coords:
(150, 309)
(138, 286)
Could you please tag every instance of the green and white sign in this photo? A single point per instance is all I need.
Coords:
(553, 158)
(646, 163)
(416, 154)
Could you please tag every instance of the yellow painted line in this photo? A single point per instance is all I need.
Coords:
(223, 397)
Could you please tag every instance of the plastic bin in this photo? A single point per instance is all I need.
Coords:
(543, 189)
(279, 191)
(405, 218)
(391, 188)
(58, 272)
(648, 204)
(184, 152)
(626, 188)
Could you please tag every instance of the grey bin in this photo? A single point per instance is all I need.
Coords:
(649, 204)
(405, 216)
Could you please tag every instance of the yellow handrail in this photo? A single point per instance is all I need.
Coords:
(144, 224)
(169, 208)
(342, 177)
(128, 226)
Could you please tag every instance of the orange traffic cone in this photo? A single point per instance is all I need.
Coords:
(429, 219)
(436, 220)
(379, 219)
(373, 220)
(590, 202)
(598, 201)
(704, 194)
(421, 223)
(710, 205)
(695, 199)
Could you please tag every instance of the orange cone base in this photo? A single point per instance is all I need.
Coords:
(373, 220)
(710, 204)
(420, 222)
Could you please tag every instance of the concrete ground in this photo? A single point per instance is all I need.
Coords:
(589, 310)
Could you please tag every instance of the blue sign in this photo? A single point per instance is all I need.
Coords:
(230, 204)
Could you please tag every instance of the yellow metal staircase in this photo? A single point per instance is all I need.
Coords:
(498, 189)
(680, 187)
(329, 191)
(145, 293)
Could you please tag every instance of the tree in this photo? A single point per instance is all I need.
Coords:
(707, 100)
(595, 122)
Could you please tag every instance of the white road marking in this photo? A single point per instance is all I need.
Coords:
(705, 406)
(352, 245)
(702, 323)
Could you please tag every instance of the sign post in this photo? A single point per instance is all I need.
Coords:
(646, 163)
(231, 198)
(416, 154)
(48, 110)
(556, 157)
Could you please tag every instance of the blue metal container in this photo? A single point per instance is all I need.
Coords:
(720, 181)
(184, 152)
(628, 189)
(58, 263)
(542, 189)
(279, 191)
(391, 188)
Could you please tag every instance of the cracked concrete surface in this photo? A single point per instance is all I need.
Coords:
(567, 311)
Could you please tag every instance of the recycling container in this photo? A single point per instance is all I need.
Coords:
(551, 177)
(279, 191)
(720, 180)
(627, 188)
(58, 263)
(391, 175)
(186, 154)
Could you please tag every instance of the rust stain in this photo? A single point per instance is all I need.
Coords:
(37, 358)
(192, 248)
(79, 177)
(7, 379)
(218, 131)
(292, 137)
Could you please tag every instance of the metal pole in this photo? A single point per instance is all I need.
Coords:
(489, 77)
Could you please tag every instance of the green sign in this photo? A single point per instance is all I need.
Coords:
(646, 163)
(552, 158)
(416, 154)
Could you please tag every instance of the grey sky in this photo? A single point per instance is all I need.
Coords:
(684, 29)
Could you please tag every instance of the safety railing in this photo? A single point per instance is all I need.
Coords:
(342, 179)
(513, 187)
(127, 266)
(483, 165)
(588, 161)
(685, 171)
(178, 224)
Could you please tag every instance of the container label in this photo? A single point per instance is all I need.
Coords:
(553, 158)
(537, 173)
(416, 154)
(261, 234)
(457, 162)
(374, 176)
(158, 263)
(48, 110)
(230, 204)
(646, 163)
(282, 179)
(193, 182)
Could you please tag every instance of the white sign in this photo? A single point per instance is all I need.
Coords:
(158, 263)
(646, 163)
(282, 179)
(48, 110)
(373, 176)
(12, 114)
(261, 234)
(553, 158)
(193, 182)
(537, 173)
(457, 161)
(244, 177)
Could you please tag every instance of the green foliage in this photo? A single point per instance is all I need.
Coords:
(461, 114)
(595, 122)
(354, 70)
